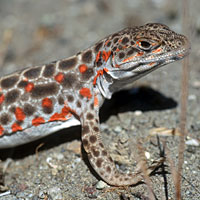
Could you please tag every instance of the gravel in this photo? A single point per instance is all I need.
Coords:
(35, 32)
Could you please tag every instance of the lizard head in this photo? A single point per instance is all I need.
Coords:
(139, 50)
(134, 52)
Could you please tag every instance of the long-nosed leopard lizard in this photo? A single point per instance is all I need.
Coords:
(37, 101)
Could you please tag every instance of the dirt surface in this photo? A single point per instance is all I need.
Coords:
(35, 32)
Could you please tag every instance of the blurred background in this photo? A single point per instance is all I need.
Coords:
(36, 32)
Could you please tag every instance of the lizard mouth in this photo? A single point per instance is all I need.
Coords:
(153, 61)
(137, 68)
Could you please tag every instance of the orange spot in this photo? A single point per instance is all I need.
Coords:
(57, 117)
(61, 116)
(29, 87)
(129, 58)
(65, 110)
(107, 42)
(117, 66)
(105, 69)
(46, 102)
(37, 121)
(98, 56)
(59, 77)
(2, 98)
(83, 68)
(152, 63)
(1, 130)
(120, 40)
(96, 101)
(106, 55)
(16, 127)
(156, 50)
(85, 92)
(19, 114)
(99, 73)
(140, 53)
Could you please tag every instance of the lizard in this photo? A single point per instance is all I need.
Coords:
(40, 100)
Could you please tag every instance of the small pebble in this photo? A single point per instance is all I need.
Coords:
(101, 185)
(192, 142)
(118, 129)
(196, 84)
(147, 155)
(192, 97)
(138, 113)
(55, 193)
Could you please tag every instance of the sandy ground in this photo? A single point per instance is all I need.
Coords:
(35, 32)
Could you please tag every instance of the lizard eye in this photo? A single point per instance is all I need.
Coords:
(144, 45)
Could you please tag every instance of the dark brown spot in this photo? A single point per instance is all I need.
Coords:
(22, 84)
(98, 46)
(32, 73)
(108, 169)
(24, 97)
(4, 119)
(95, 152)
(99, 63)
(79, 85)
(92, 106)
(85, 142)
(78, 104)
(49, 70)
(102, 173)
(104, 153)
(28, 109)
(69, 80)
(88, 74)
(12, 96)
(61, 100)
(93, 138)
(85, 130)
(67, 64)
(114, 48)
(130, 52)
(96, 129)
(120, 47)
(9, 81)
(44, 90)
(115, 40)
(70, 98)
(99, 162)
(109, 43)
(121, 55)
(87, 56)
(110, 159)
(12, 109)
(101, 145)
(90, 116)
(47, 110)
(125, 40)
(132, 43)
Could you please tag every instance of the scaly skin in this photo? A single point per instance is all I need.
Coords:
(40, 100)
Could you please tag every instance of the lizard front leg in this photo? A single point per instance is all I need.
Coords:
(99, 157)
